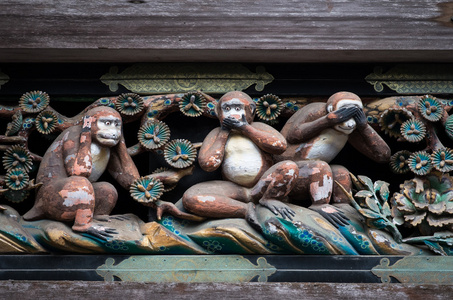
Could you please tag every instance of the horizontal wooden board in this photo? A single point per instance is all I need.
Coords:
(135, 290)
(233, 30)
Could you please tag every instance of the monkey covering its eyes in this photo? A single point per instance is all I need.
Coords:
(316, 134)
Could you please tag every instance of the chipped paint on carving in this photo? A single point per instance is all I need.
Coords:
(206, 198)
(81, 196)
(323, 191)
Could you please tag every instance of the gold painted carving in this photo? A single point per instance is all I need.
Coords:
(154, 78)
(414, 79)
(181, 268)
(417, 269)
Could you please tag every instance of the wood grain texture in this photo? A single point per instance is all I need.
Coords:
(132, 290)
(233, 30)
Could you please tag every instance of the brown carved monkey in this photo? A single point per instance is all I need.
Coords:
(72, 165)
(315, 135)
(242, 149)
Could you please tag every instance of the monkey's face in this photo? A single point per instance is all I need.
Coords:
(107, 130)
(236, 105)
(233, 108)
(348, 126)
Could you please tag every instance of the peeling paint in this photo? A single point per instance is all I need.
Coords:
(206, 198)
(321, 192)
(80, 196)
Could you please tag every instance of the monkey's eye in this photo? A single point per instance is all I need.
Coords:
(107, 123)
(227, 108)
(238, 108)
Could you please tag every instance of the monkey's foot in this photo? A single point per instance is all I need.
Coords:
(278, 207)
(104, 233)
(252, 218)
(163, 206)
(336, 217)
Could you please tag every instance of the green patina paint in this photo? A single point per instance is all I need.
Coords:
(149, 78)
(414, 79)
(178, 268)
(417, 269)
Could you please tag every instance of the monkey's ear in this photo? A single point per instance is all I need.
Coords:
(329, 108)
(253, 107)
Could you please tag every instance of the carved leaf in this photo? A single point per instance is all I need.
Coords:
(364, 194)
(416, 218)
(436, 221)
(369, 214)
(367, 182)
(373, 205)
(386, 210)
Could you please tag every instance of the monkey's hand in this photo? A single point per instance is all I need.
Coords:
(164, 206)
(336, 217)
(360, 118)
(343, 114)
(278, 207)
(99, 231)
(232, 123)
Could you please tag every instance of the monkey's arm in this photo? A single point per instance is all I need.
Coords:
(366, 140)
(212, 151)
(311, 120)
(121, 166)
(77, 155)
(265, 137)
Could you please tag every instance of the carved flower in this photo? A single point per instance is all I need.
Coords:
(16, 123)
(430, 108)
(146, 189)
(425, 202)
(46, 122)
(392, 119)
(180, 153)
(33, 102)
(449, 127)
(269, 107)
(442, 160)
(192, 104)
(16, 196)
(413, 130)
(129, 104)
(16, 179)
(153, 134)
(420, 163)
(399, 162)
(17, 157)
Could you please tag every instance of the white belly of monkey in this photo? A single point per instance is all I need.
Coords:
(100, 158)
(328, 144)
(242, 162)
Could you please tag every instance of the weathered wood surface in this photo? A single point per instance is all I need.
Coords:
(117, 290)
(233, 30)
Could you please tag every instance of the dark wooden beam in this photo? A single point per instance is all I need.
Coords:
(233, 30)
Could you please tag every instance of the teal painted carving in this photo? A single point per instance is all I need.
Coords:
(187, 269)
(416, 269)
(414, 79)
(147, 78)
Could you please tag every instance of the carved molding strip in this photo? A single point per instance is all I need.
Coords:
(417, 269)
(152, 78)
(414, 79)
(176, 268)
